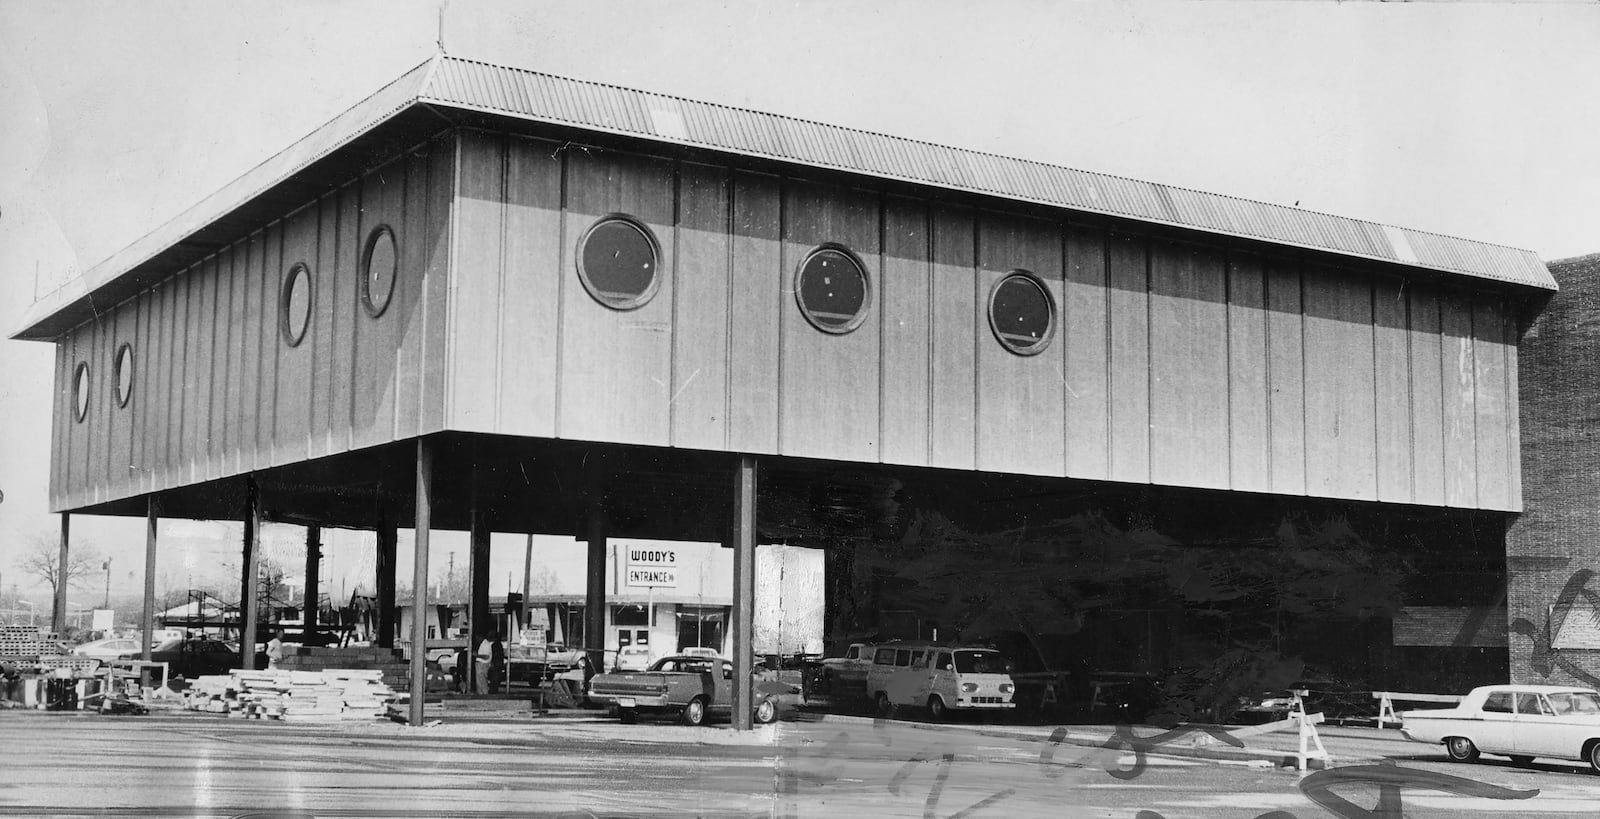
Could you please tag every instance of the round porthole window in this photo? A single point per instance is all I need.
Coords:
(80, 391)
(295, 304)
(379, 265)
(617, 262)
(1021, 313)
(832, 289)
(124, 375)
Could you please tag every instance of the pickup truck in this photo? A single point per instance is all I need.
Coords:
(693, 687)
(846, 677)
(1518, 721)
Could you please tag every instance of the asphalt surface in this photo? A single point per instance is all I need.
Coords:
(498, 759)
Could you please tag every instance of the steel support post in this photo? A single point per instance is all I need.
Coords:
(479, 625)
(147, 619)
(388, 548)
(419, 582)
(313, 582)
(744, 588)
(58, 607)
(594, 611)
(249, 603)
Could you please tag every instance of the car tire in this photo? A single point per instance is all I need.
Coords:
(1460, 749)
(1520, 759)
(766, 712)
(885, 707)
(1592, 756)
(695, 712)
(628, 716)
(937, 710)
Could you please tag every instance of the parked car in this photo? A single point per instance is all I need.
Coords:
(940, 678)
(196, 656)
(1522, 722)
(845, 676)
(692, 687)
(633, 658)
(110, 648)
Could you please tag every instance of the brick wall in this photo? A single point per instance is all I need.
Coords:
(1554, 547)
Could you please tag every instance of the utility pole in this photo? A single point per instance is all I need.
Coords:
(107, 567)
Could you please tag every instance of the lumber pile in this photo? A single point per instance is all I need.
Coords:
(290, 695)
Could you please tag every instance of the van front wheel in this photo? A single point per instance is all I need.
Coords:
(937, 710)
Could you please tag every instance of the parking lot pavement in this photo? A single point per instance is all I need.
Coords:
(1238, 744)
(501, 760)
(1136, 744)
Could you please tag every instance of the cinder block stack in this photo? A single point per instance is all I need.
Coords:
(389, 661)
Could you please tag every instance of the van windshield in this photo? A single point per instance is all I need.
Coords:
(980, 662)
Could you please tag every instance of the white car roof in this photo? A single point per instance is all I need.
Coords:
(1536, 689)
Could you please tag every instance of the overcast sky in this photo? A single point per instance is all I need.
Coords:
(1475, 120)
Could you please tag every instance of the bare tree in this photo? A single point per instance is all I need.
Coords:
(43, 560)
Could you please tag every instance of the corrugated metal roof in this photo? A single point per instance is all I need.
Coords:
(531, 95)
(450, 82)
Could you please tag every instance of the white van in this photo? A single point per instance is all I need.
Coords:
(939, 677)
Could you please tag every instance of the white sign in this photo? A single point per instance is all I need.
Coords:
(651, 565)
(653, 576)
(102, 619)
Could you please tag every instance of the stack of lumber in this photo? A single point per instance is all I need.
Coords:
(293, 696)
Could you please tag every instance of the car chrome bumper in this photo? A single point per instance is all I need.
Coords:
(630, 700)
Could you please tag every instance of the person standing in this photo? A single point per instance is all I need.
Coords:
(274, 650)
(497, 662)
(480, 665)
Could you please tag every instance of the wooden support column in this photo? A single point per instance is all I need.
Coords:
(249, 600)
(58, 608)
(388, 544)
(147, 619)
(419, 582)
(478, 623)
(523, 618)
(594, 607)
(313, 583)
(744, 588)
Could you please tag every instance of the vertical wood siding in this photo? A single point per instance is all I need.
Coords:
(904, 367)
(529, 307)
(1427, 397)
(1171, 363)
(1128, 293)
(615, 365)
(952, 440)
(700, 338)
(1249, 389)
(828, 383)
(1391, 359)
(1189, 441)
(757, 301)
(217, 391)
(1020, 398)
(1084, 316)
(1286, 378)
(1340, 403)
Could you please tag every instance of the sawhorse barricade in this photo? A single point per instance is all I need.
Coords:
(1387, 699)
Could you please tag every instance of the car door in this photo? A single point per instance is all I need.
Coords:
(1493, 733)
(722, 695)
(1538, 730)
